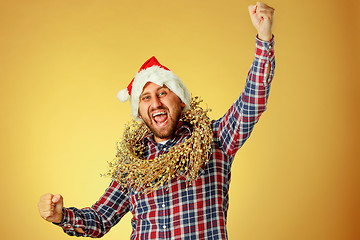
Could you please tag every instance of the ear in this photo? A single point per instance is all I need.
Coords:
(182, 104)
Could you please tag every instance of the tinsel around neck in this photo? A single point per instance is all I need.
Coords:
(130, 169)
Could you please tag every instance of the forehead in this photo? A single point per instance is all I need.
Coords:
(151, 87)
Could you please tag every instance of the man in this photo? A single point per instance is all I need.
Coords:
(175, 177)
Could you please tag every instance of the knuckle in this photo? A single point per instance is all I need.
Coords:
(45, 215)
(45, 207)
(46, 196)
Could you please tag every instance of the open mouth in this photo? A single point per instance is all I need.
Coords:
(160, 118)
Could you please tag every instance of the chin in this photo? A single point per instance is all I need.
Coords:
(166, 134)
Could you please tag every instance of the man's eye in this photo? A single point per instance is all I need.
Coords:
(162, 93)
(145, 98)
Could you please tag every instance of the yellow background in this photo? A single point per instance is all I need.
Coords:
(63, 61)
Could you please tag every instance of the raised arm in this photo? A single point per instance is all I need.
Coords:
(234, 128)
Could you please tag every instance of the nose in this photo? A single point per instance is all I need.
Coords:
(156, 102)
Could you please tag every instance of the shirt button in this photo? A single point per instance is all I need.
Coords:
(164, 226)
(163, 205)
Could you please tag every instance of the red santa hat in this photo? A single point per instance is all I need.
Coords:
(153, 71)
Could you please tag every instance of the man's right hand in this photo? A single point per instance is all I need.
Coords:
(50, 207)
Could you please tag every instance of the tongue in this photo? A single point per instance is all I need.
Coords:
(160, 118)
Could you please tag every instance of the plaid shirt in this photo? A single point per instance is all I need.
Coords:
(177, 211)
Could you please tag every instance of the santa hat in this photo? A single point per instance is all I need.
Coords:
(153, 71)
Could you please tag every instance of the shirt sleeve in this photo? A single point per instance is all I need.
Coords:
(97, 220)
(234, 128)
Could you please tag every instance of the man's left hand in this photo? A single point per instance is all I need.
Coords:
(262, 18)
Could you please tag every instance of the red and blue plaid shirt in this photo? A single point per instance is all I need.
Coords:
(178, 211)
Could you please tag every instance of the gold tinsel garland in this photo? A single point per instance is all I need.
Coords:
(129, 168)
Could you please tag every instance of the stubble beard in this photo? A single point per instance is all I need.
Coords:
(170, 128)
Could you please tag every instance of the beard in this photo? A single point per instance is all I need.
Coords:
(170, 128)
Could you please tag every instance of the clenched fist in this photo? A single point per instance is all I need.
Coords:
(50, 207)
(262, 18)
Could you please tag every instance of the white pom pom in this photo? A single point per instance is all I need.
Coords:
(123, 95)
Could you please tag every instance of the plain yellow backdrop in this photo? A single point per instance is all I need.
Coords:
(63, 61)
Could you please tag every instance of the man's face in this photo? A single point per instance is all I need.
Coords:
(160, 109)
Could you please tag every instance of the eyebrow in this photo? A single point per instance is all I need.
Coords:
(159, 88)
